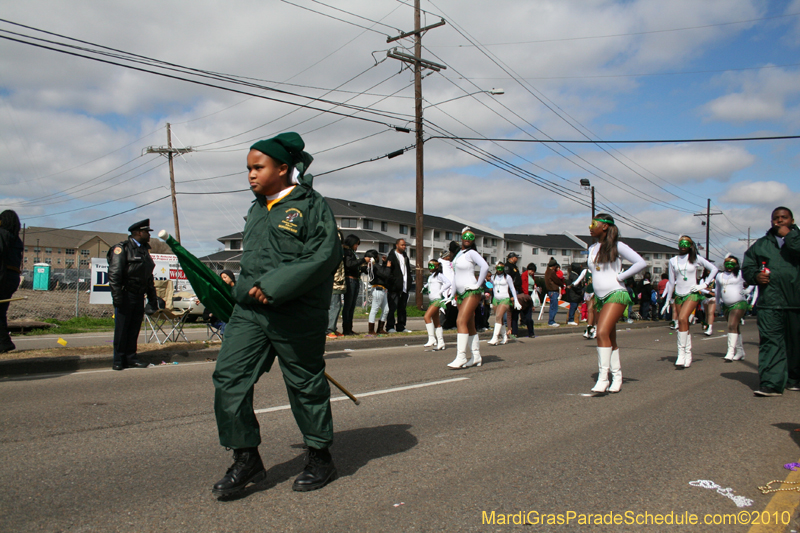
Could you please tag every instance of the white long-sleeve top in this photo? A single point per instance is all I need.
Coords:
(731, 289)
(580, 278)
(464, 267)
(447, 269)
(502, 284)
(683, 274)
(437, 285)
(608, 277)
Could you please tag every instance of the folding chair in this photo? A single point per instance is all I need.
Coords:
(213, 331)
(165, 325)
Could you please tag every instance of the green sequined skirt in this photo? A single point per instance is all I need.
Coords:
(439, 302)
(738, 305)
(504, 301)
(466, 294)
(692, 297)
(615, 297)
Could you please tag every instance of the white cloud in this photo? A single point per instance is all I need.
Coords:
(764, 95)
(761, 193)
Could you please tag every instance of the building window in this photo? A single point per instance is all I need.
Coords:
(384, 226)
(413, 231)
(437, 236)
(543, 265)
(36, 260)
(236, 245)
(383, 248)
(26, 249)
(656, 256)
(84, 253)
(48, 250)
(25, 260)
(494, 260)
(69, 262)
(48, 260)
(37, 250)
(656, 270)
(367, 223)
(413, 253)
(403, 230)
(58, 261)
(535, 251)
(84, 262)
(566, 252)
(646, 257)
(448, 235)
(494, 242)
(70, 251)
(349, 222)
(551, 251)
(58, 250)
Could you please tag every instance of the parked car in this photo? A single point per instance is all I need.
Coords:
(187, 300)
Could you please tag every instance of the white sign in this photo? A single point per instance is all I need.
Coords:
(167, 267)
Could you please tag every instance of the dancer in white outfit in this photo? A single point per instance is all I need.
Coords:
(436, 287)
(732, 294)
(467, 292)
(688, 292)
(611, 296)
(502, 284)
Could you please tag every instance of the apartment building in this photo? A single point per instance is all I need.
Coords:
(66, 248)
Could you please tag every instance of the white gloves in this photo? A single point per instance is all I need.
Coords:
(699, 288)
(664, 309)
(473, 287)
(517, 305)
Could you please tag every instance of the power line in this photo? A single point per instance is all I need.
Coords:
(332, 17)
(628, 141)
(628, 34)
(356, 15)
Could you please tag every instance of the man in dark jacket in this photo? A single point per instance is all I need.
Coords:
(773, 262)
(553, 285)
(573, 294)
(398, 291)
(513, 271)
(130, 278)
(10, 263)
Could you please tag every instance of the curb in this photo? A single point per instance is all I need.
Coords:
(74, 363)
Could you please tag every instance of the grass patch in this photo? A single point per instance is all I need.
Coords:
(411, 311)
(81, 324)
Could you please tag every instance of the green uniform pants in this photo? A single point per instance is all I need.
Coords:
(779, 347)
(252, 341)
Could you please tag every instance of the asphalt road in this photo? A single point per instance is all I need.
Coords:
(431, 450)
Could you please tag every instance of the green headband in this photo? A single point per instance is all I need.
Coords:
(609, 222)
(468, 236)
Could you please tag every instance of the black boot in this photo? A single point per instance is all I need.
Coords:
(319, 471)
(247, 468)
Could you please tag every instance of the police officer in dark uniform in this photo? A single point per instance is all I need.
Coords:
(513, 270)
(130, 277)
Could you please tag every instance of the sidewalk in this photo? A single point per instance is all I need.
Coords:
(72, 363)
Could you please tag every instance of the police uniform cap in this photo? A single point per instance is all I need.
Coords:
(142, 225)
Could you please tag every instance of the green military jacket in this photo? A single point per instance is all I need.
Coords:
(290, 251)
(783, 289)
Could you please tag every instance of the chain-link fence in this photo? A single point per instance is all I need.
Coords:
(64, 295)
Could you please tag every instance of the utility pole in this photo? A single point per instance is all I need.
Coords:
(748, 238)
(592, 201)
(419, 64)
(170, 151)
(708, 214)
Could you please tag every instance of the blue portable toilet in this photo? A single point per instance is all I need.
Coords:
(41, 277)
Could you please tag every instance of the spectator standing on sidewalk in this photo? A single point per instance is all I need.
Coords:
(10, 263)
(553, 285)
(574, 292)
(773, 263)
(398, 292)
(645, 294)
(512, 270)
(339, 288)
(380, 277)
(529, 287)
(352, 279)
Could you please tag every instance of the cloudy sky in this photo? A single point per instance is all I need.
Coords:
(74, 131)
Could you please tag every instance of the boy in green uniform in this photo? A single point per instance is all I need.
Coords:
(291, 251)
(773, 262)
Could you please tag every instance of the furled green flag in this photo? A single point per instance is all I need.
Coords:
(209, 288)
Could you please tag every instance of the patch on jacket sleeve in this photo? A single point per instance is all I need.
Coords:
(117, 250)
(288, 223)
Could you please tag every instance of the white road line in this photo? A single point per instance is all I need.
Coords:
(373, 393)
(31, 377)
(714, 338)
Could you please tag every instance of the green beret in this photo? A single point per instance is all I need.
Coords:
(284, 148)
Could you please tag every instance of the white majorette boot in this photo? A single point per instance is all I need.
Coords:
(687, 362)
(594, 332)
(496, 335)
(732, 338)
(461, 351)
(505, 335)
(739, 350)
(709, 329)
(681, 336)
(616, 372)
(603, 362)
(475, 351)
(439, 338)
(431, 337)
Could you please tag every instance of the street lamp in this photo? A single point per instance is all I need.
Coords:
(586, 184)
(490, 91)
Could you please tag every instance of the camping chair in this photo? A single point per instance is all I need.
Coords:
(213, 331)
(165, 324)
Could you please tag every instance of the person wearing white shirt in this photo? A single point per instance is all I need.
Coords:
(683, 270)
(436, 287)
(504, 292)
(611, 296)
(732, 294)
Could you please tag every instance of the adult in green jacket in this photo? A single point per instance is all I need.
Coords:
(291, 249)
(773, 263)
